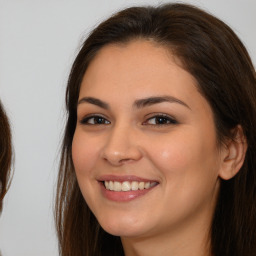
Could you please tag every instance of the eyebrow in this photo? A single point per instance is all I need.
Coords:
(94, 101)
(141, 103)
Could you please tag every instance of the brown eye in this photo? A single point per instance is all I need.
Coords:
(94, 120)
(160, 120)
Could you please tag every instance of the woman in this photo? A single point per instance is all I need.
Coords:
(159, 150)
(5, 154)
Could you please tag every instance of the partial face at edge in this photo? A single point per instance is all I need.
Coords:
(142, 119)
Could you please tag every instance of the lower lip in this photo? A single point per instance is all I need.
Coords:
(123, 196)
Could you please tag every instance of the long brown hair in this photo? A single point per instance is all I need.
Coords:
(5, 154)
(213, 54)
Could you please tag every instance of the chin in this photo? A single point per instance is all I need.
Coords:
(124, 227)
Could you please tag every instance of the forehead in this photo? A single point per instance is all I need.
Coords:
(135, 66)
(141, 62)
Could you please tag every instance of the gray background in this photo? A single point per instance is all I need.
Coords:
(38, 42)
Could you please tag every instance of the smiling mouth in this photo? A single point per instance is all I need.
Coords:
(126, 186)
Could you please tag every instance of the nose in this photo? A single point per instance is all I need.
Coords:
(122, 146)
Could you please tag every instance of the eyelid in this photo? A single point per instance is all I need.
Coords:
(85, 118)
(172, 120)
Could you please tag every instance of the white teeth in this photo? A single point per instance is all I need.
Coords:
(147, 185)
(128, 186)
(106, 184)
(111, 185)
(141, 185)
(135, 185)
(117, 186)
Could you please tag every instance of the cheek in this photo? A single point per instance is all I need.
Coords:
(171, 154)
(84, 153)
(185, 154)
(189, 170)
(84, 156)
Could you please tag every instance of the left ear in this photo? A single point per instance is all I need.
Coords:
(233, 154)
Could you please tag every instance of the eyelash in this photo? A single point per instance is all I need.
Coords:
(167, 120)
(85, 121)
(163, 120)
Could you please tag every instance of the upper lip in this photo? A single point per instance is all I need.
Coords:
(122, 178)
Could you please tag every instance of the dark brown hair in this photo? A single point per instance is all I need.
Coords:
(213, 54)
(5, 154)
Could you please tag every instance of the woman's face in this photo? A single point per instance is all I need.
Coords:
(146, 133)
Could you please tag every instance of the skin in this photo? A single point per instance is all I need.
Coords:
(174, 217)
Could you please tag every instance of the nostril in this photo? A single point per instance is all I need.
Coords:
(119, 150)
(126, 160)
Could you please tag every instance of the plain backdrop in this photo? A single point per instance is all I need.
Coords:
(38, 42)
